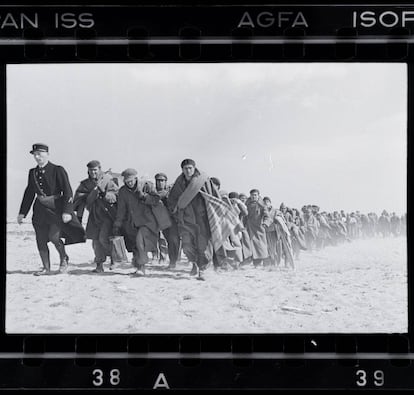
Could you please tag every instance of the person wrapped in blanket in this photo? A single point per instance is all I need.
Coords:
(135, 218)
(98, 194)
(279, 241)
(311, 227)
(232, 247)
(257, 214)
(246, 245)
(204, 220)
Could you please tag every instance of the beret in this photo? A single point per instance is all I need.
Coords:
(233, 195)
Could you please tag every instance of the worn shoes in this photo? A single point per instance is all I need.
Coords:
(43, 272)
(99, 268)
(64, 262)
(194, 270)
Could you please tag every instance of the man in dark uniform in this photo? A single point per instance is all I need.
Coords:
(171, 234)
(98, 194)
(53, 216)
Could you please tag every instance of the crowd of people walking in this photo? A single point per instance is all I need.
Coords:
(193, 216)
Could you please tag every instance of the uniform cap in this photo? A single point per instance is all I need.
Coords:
(161, 176)
(39, 147)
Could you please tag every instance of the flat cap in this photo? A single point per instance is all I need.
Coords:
(129, 173)
(93, 163)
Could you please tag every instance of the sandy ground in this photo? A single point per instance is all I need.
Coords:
(358, 287)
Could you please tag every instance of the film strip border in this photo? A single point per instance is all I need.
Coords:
(207, 34)
(215, 33)
(189, 361)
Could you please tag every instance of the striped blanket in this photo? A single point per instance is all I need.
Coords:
(222, 219)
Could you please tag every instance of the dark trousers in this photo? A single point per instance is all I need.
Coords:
(173, 241)
(44, 234)
(146, 241)
(197, 249)
(101, 245)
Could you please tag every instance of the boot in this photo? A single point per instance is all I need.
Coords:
(64, 259)
(64, 262)
(141, 268)
(172, 265)
(194, 270)
(44, 256)
(200, 275)
(99, 268)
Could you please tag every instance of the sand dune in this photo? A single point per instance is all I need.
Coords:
(358, 287)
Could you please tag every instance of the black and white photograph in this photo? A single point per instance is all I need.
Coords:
(206, 198)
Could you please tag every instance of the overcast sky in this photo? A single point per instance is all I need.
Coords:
(327, 134)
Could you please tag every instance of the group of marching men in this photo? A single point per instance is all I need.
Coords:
(193, 215)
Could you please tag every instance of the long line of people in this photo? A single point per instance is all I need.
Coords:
(193, 216)
(255, 233)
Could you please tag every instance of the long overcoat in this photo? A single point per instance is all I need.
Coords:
(53, 181)
(257, 214)
(94, 198)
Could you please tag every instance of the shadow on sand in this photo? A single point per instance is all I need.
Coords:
(80, 272)
(32, 272)
(169, 276)
(152, 271)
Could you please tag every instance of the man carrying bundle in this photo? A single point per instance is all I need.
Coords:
(134, 215)
(53, 216)
(98, 194)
